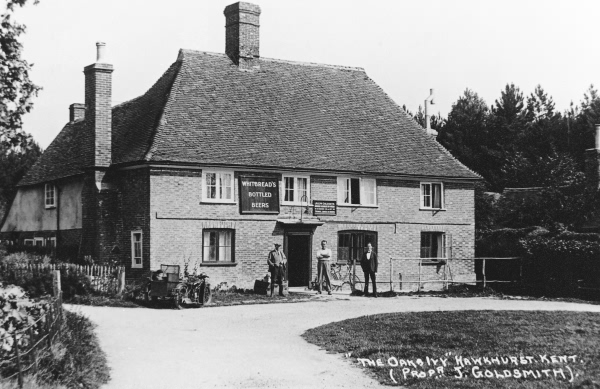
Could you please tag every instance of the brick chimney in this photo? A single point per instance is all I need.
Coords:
(592, 162)
(98, 115)
(76, 111)
(241, 35)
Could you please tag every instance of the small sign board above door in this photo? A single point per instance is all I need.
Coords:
(324, 208)
(259, 194)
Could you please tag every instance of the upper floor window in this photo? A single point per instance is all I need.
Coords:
(296, 189)
(357, 191)
(217, 245)
(217, 186)
(50, 196)
(136, 249)
(432, 195)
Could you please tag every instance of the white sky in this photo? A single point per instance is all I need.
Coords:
(406, 46)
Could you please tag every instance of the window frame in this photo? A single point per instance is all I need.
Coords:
(295, 190)
(362, 193)
(135, 265)
(364, 246)
(39, 239)
(28, 240)
(218, 173)
(422, 195)
(232, 247)
(49, 189)
(445, 238)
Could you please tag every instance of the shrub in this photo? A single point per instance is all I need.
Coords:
(76, 361)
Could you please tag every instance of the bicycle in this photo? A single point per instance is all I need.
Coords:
(339, 280)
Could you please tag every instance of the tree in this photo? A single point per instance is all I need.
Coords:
(17, 88)
(562, 197)
(14, 163)
(464, 133)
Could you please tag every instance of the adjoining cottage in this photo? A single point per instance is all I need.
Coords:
(229, 153)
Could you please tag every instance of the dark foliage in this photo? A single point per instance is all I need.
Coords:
(77, 361)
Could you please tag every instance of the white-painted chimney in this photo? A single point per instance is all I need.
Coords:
(429, 100)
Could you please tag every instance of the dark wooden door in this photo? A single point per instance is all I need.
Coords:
(298, 255)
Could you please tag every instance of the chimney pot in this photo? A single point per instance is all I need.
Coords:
(100, 52)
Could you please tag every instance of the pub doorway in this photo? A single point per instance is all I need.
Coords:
(297, 246)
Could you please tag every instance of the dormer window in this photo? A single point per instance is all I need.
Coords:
(50, 196)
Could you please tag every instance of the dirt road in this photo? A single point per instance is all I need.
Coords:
(254, 346)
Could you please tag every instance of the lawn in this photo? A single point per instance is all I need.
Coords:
(471, 349)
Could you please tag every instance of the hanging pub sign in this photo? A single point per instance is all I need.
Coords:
(259, 194)
(324, 208)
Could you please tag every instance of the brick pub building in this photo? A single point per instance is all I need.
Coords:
(229, 153)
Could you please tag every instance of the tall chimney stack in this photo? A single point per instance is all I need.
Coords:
(98, 112)
(242, 35)
(592, 162)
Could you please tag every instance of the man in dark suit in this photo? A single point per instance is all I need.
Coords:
(277, 262)
(369, 266)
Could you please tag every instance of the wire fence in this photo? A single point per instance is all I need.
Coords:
(414, 273)
(23, 349)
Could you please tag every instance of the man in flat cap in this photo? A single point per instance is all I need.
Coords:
(277, 262)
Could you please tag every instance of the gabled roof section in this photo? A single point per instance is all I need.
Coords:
(292, 116)
(287, 115)
(133, 126)
(63, 158)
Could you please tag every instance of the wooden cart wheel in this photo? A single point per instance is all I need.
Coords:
(206, 294)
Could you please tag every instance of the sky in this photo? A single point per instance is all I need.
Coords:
(406, 46)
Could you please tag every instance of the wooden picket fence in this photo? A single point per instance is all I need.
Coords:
(103, 278)
(28, 345)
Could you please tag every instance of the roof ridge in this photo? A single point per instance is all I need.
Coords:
(183, 52)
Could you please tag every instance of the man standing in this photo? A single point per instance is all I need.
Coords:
(323, 257)
(369, 266)
(277, 262)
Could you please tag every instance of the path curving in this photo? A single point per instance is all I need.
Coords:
(253, 346)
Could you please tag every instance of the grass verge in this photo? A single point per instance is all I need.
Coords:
(455, 336)
(74, 361)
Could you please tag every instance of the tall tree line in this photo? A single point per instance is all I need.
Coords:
(518, 141)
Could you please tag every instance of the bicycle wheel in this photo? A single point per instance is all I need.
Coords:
(358, 284)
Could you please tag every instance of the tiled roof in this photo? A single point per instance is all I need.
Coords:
(288, 115)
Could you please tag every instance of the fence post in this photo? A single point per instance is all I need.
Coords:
(121, 281)
(18, 357)
(33, 350)
(483, 271)
(56, 283)
(419, 285)
(391, 272)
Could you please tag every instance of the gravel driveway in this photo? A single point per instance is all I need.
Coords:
(253, 346)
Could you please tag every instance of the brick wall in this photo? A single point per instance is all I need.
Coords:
(98, 114)
(242, 34)
(177, 217)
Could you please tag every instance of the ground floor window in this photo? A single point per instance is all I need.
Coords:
(28, 242)
(352, 244)
(39, 242)
(218, 245)
(136, 249)
(434, 244)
